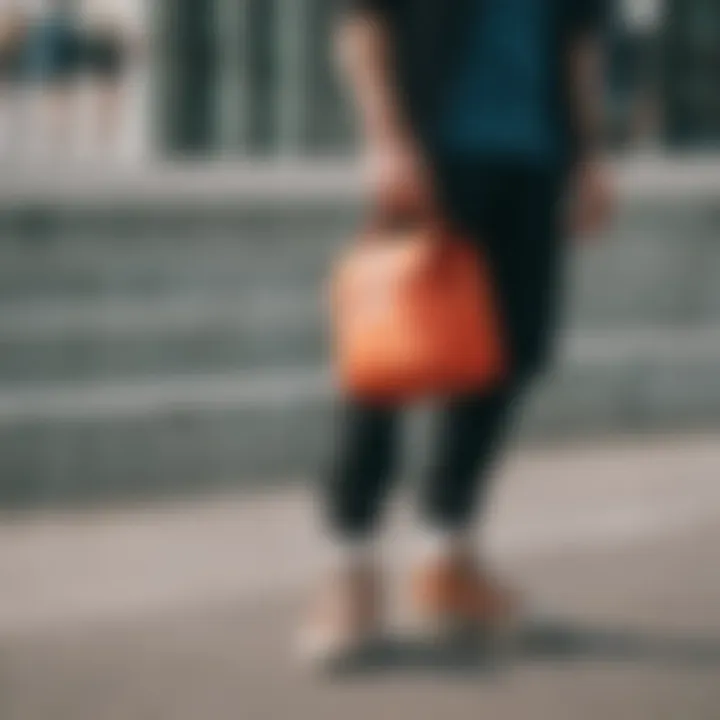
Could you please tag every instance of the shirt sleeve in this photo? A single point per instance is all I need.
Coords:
(590, 17)
(374, 6)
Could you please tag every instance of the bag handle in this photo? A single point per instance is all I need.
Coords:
(398, 218)
(438, 231)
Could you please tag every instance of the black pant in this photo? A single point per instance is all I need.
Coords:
(513, 213)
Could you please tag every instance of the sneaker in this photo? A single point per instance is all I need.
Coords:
(345, 617)
(454, 595)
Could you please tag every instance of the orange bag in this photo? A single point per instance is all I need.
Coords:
(415, 316)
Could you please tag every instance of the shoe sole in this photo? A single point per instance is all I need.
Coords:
(330, 654)
(459, 630)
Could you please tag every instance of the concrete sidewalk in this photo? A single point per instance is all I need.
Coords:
(187, 611)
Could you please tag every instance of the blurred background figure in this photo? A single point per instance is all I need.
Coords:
(109, 48)
(52, 62)
(635, 72)
(13, 28)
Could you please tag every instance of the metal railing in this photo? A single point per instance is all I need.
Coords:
(249, 78)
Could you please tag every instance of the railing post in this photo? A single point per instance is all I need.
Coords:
(291, 44)
(231, 91)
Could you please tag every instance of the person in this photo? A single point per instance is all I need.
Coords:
(491, 112)
(107, 50)
(12, 33)
(52, 61)
(636, 72)
(12, 29)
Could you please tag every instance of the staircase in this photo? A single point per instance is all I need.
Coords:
(176, 344)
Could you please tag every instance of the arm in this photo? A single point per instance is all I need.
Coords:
(364, 53)
(364, 56)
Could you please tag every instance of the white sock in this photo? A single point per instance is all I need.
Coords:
(436, 544)
(342, 553)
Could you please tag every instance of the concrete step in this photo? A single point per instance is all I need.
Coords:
(287, 326)
(122, 338)
(121, 272)
(96, 441)
(659, 264)
(239, 291)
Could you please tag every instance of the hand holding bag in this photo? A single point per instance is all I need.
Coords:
(415, 315)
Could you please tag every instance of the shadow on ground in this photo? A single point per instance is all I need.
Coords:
(539, 641)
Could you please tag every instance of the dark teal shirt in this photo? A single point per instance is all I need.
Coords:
(500, 101)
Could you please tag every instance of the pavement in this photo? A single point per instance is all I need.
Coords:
(187, 610)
